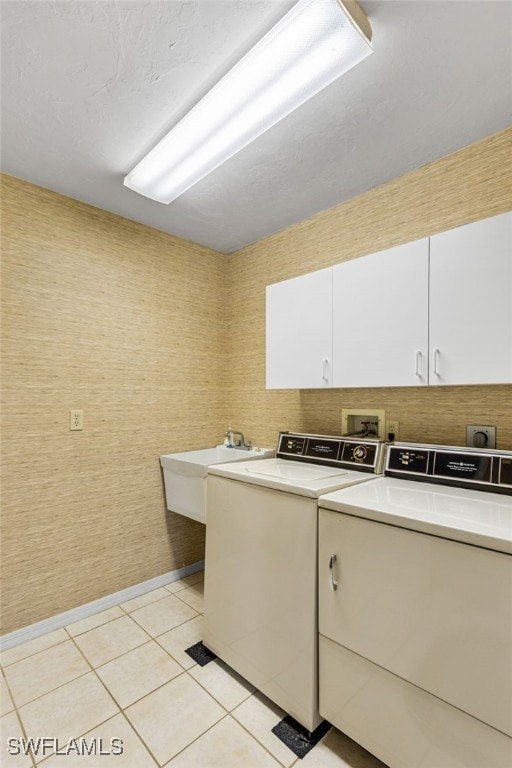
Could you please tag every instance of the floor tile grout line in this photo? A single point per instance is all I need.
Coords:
(103, 624)
(186, 672)
(242, 725)
(151, 602)
(192, 618)
(132, 726)
(124, 653)
(160, 599)
(153, 637)
(229, 711)
(61, 685)
(92, 669)
(122, 709)
(30, 655)
(175, 591)
(97, 666)
(89, 663)
(129, 613)
(226, 714)
(60, 642)
(168, 652)
(251, 735)
(136, 701)
(189, 605)
(18, 717)
(187, 586)
(82, 735)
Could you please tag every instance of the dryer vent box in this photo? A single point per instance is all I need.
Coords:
(356, 420)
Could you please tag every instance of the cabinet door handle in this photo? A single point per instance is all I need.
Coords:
(417, 369)
(325, 363)
(334, 583)
(436, 361)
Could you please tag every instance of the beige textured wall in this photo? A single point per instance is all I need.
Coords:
(128, 324)
(468, 185)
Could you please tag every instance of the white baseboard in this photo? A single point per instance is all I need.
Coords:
(83, 611)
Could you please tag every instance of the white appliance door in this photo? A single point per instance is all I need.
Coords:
(434, 612)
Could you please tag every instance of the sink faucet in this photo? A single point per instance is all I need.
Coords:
(230, 434)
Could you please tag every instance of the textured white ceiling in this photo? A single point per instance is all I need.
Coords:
(89, 87)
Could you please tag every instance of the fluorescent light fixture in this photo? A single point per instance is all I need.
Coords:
(312, 45)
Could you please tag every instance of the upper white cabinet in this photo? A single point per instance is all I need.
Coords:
(434, 311)
(471, 303)
(380, 313)
(299, 332)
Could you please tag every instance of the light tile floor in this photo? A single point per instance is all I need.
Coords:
(124, 674)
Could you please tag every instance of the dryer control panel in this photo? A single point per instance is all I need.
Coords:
(366, 455)
(486, 470)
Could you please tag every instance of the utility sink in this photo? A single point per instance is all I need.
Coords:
(185, 476)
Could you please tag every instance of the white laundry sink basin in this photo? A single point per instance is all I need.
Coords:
(185, 476)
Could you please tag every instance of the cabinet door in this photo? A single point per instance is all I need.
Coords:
(471, 303)
(299, 332)
(380, 312)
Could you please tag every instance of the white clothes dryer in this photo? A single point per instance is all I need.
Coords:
(415, 608)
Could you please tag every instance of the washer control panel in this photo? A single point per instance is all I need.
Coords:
(483, 469)
(334, 451)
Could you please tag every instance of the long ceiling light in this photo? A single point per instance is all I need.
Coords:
(312, 45)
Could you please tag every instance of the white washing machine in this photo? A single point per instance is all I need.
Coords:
(261, 562)
(415, 609)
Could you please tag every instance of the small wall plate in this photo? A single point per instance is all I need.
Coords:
(478, 436)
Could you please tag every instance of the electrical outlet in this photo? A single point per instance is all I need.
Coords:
(392, 427)
(480, 436)
(76, 420)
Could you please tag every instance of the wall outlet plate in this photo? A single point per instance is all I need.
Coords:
(392, 428)
(480, 436)
(352, 420)
(76, 420)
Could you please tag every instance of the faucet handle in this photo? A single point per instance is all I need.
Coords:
(236, 441)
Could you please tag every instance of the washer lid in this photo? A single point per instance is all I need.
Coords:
(295, 471)
(296, 477)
